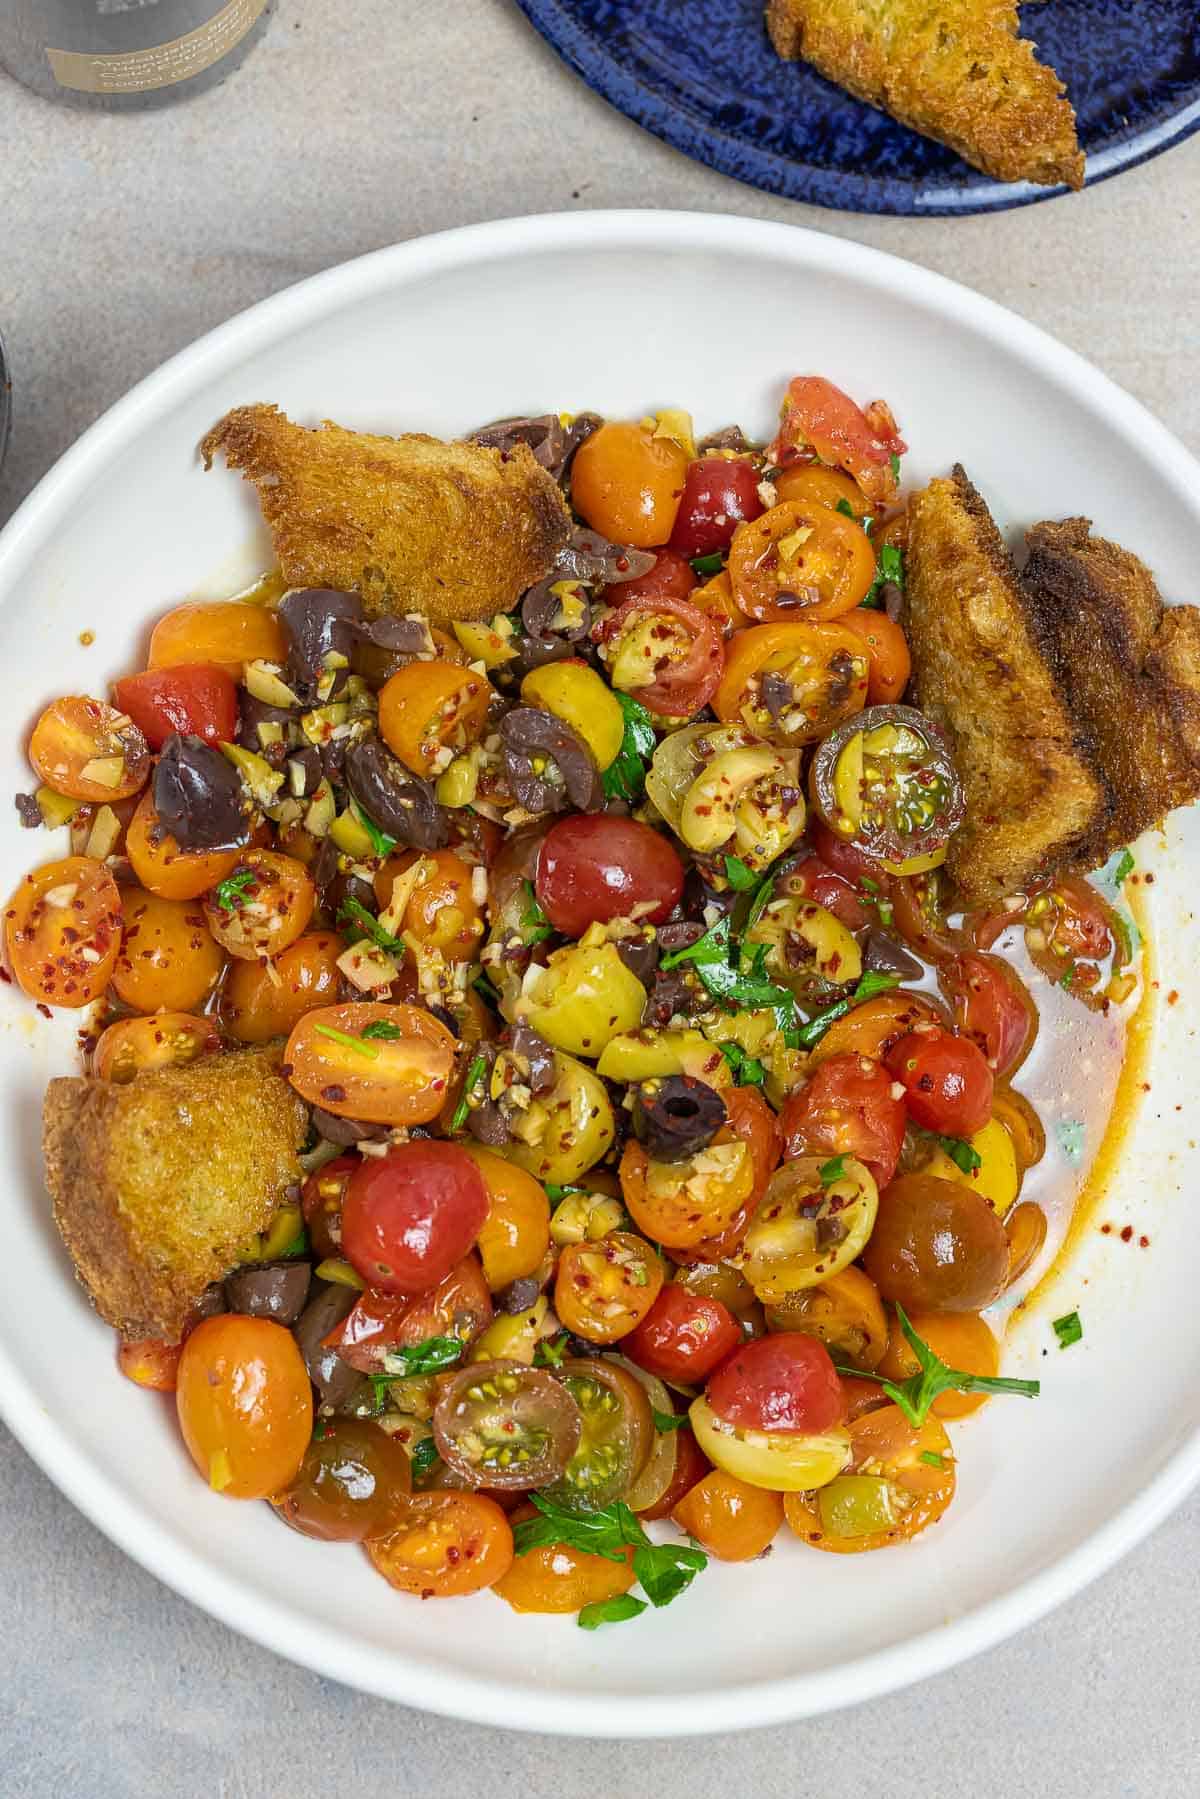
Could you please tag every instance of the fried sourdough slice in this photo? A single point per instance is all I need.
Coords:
(1033, 792)
(451, 530)
(157, 1184)
(955, 70)
(1130, 670)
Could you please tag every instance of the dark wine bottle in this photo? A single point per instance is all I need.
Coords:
(119, 54)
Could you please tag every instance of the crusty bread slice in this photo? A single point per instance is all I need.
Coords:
(982, 672)
(1129, 669)
(157, 1184)
(451, 530)
(955, 70)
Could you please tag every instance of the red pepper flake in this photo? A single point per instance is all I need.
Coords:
(1127, 1234)
(1173, 997)
(1105, 1229)
(1143, 1242)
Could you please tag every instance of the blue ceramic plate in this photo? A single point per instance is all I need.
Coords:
(702, 75)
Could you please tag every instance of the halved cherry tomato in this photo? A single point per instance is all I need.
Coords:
(515, 1235)
(936, 1246)
(800, 561)
(262, 1000)
(89, 751)
(150, 1363)
(992, 1006)
(815, 484)
(261, 906)
(680, 1204)
(446, 1544)
(168, 961)
(885, 782)
(590, 870)
(716, 600)
(665, 652)
(731, 1519)
(672, 577)
(948, 1082)
(961, 1339)
(719, 494)
(382, 1079)
(918, 910)
(900, 1480)
(428, 711)
(442, 912)
(847, 1108)
(321, 1199)
(459, 1306)
(813, 880)
(62, 931)
(410, 1215)
(683, 1336)
(505, 1426)
(245, 1404)
(168, 1040)
(887, 646)
(559, 1578)
(780, 1461)
(603, 1289)
(1069, 931)
(822, 671)
(162, 867)
(626, 481)
(224, 633)
(617, 1435)
(691, 1465)
(845, 1313)
(818, 420)
(875, 1027)
(784, 1384)
(751, 1119)
(194, 699)
(353, 1484)
(1022, 1124)
(1026, 1228)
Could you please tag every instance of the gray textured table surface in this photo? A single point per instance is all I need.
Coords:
(355, 125)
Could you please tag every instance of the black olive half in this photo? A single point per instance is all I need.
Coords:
(675, 1117)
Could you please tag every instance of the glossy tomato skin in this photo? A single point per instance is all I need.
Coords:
(992, 1006)
(719, 494)
(948, 1081)
(784, 1383)
(460, 1306)
(691, 1465)
(245, 1404)
(353, 1484)
(681, 648)
(409, 1216)
(194, 699)
(672, 577)
(447, 1544)
(818, 882)
(847, 1108)
(683, 1336)
(591, 869)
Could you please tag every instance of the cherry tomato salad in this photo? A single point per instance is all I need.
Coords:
(665, 1154)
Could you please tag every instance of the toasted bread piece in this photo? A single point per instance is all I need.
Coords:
(955, 70)
(1033, 794)
(412, 524)
(1129, 669)
(156, 1184)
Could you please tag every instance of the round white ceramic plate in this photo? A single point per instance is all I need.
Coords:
(621, 312)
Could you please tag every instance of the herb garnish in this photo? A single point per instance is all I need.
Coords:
(610, 1611)
(960, 1153)
(231, 893)
(424, 1455)
(748, 1071)
(894, 462)
(665, 1570)
(915, 1395)
(555, 1192)
(551, 1352)
(297, 1247)
(710, 957)
(668, 1421)
(348, 1041)
(353, 912)
(867, 988)
(1124, 867)
(534, 923)
(382, 1028)
(740, 878)
(932, 1459)
(708, 565)
(1068, 1330)
(381, 843)
(485, 990)
(890, 570)
(834, 1170)
(625, 776)
(478, 1064)
(429, 1357)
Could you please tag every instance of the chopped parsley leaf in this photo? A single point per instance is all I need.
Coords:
(665, 1570)
(708, 565)
(711, 959)
(1124, 867)
(232, 893)
(668, 1421)
(915, 1395)
(894, 460)
(890, 570)
(381, 843)
(347, 1041)
(352, 912)
(297, 1247)
(534, 923)
(843, 506)
(740, 878)
(423, 1457)
(625, 776)
(1068, 1330)
(748, 1071)
(551, 1352)
(610, 1611)
(871, 984)
(463, 1107)
(833, 1170)
(429, 1357)
(961, 1153)
(382, 1028)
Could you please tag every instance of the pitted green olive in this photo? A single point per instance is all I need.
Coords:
(584, 997)
(567, 1130)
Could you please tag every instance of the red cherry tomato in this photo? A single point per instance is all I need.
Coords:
(683, 649)
(459, 1306)
(719, 494)
(847, 1109)
(672, 577)
(816, 881)
(819, 420)
(683, 1336)
(845, 859)
(196, 699)
(992, 1006)
(321, 1199)
(948, 1082)
(409, 1216)
(784, 1382)
(591, 869)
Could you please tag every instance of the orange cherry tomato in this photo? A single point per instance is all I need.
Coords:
(678, 1206)
(825, 666)
(430, 710)
(447, 1544)
(800, 560)
(227, 633)
(263, 905)
(691, 1465)
(813, 484)
(845, 1312)
(874, 1028)
(558, 1578)
(168, 1040)
(265, 999)
(733, 1521)
(862, 1395)
(893, 530)
(442, 912)
(245, 1404)
(515, 1235)
(384, 1079)
(627, 483)
(887, 647)
(961, 1339)
(1026, 1228)
(162, 867)
(168, 960)
(89, 751)
(62, 931)
(716, 600)
(818, 420)
(751, 1118)
(150, 1363)
(603, 1289)
(914, 1492)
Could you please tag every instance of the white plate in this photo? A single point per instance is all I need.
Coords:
(621, 312)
